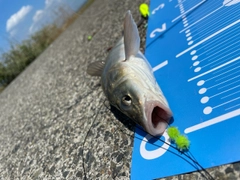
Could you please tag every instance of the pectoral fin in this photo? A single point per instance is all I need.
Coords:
(131, 36)
(95, 68)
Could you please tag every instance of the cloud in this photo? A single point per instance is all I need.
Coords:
(49, 2)
(48, 14)
(17, 17)
(13, 32)
(43, 16)
(36, 20)
(38, 15)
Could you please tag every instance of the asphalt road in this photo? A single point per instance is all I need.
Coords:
(55, 122)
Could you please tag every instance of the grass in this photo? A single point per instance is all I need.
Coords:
(21, 55)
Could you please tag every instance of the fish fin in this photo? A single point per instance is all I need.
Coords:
(95, 68)
(131, 36)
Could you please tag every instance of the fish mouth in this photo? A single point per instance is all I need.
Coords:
(158, 117)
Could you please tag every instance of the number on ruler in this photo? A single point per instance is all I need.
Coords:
(153, 154)
(163, 28)
(156, 9)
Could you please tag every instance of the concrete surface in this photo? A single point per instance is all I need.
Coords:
(55, 122)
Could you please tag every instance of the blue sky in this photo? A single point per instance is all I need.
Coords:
(20, 18)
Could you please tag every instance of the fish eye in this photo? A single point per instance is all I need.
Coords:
(127, 100)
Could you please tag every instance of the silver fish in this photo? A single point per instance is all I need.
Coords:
(128, 82)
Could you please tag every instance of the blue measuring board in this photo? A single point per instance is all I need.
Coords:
(194, 49)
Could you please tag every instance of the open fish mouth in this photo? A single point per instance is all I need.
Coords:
(158, 117)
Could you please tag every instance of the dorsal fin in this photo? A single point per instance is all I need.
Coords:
(95, 68)
(131, 36)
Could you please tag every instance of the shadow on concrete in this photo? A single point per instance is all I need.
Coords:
(126, 121)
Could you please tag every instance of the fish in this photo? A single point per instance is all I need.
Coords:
(128, 82)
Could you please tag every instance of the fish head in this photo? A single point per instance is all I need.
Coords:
(128, 99)
(146, 106)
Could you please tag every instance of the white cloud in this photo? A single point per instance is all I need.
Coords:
(48, 2)
(17, 17)
(47, 15)
(38, 15)
(13, 32)
(36, 18)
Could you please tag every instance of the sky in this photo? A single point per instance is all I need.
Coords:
(20, 18)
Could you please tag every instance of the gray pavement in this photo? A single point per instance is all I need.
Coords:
(55, 122)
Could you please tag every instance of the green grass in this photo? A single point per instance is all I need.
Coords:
(21, 55)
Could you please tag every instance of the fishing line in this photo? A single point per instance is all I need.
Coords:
(84, 170)
(190, 155)
(210, 176)
(193, 165)
(183, 153)
(194, 162)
